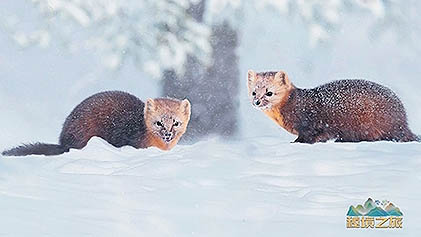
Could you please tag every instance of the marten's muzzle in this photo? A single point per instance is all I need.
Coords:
(261, 103)
(166, 136)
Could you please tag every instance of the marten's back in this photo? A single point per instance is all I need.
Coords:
(356, 99)
(114, 116)
(350, 110)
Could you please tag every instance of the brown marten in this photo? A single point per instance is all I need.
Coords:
(344, 110)
(121, 119)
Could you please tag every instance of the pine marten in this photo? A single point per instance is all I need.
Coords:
(121, 119)
(344, 110)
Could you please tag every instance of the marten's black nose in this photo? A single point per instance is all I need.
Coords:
(167, 136)
(257, 102)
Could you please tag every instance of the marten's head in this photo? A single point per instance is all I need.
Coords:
(268, 89)
(166, 120)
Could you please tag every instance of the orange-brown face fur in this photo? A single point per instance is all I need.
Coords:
(268, 89)
(166, 121)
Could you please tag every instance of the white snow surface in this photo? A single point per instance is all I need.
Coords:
(261, 186)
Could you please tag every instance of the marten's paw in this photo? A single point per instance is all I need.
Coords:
(305, 139)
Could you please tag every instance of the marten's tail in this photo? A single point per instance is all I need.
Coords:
(36, 149)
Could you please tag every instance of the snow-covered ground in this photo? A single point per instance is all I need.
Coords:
(254, 187)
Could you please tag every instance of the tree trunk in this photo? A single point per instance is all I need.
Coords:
(213, 91)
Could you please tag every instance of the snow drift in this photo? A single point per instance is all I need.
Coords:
(253, 187)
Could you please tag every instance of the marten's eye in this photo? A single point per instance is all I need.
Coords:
(176, 124)
(159, 124)
(269, 93)
(253, 93)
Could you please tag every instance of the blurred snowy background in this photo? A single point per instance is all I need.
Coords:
(55, 53)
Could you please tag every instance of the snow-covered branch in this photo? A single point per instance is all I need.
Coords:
(159, 34)
(155, 34)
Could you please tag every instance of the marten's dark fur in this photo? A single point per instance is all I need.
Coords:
(327, 112)
(344, 110)
(118, 118)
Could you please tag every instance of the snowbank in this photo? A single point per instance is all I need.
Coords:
(255, 187)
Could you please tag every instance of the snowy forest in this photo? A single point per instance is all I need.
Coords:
(55, 53)
(195, 49)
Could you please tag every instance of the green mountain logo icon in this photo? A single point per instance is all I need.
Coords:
(392, 210)
(353, 211)
(377, 211)
(369, 204)
(375, 208)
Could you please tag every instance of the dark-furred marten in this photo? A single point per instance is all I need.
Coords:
(121, 119)
(343, 110)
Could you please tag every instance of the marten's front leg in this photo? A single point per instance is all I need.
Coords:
(323, 137)
(304, 139)
(306, 135)
(308, 132)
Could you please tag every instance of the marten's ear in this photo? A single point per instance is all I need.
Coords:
(282, 78)
(150, 105)
(251, 75)
(186, 107)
